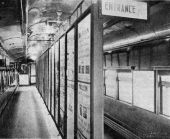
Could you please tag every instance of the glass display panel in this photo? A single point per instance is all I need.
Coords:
(70, 109)
(111, 83)
(84, 43)
(84, 47)
(84, 109)
(56, 79)
(70, 55)
(49, 91)
(62, 80)
(62, 121)
(143, 87)
(125, 86)
(52, 85)
(46, 78)
(70, 83)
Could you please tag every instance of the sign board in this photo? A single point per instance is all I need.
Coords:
(84, 109)
(70, 55)
(62, 83)
(70, 109)
(57, 80)
(125, 8)
(84, 43)
(70, 83)
(84, 57)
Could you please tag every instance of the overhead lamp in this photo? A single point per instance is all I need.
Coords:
(59, 13)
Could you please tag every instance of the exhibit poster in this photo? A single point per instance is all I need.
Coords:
(62, 60)
(52, 79)
(84, 60)
(70, 109)
(57, 80)
(84, 109)
(84, 46)
(70, 83)
(62, 73)
(70, 55)
(49, 96)
(62, 121)
(62, 82)
(62, 98)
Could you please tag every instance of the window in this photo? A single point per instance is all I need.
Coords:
(165, 94)
(111, 83)
(143, 89)
(134, 87)
(125, 86)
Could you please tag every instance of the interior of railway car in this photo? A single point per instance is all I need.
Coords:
(85, 69)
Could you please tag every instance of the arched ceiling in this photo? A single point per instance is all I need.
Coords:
(11, 37)
(44, 19)
(28, 26)
(31, 23)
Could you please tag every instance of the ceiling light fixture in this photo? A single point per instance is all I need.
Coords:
(59, 13)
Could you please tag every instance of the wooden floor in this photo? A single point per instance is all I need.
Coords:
(27, 117)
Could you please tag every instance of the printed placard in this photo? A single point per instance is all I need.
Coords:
(62, 98)
(84, 45)
(62, 83)
(62, 58)
(62, 121)
(84, 109)
(70, 55)
(70, 109)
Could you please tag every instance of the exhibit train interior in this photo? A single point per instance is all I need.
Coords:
(99, 67)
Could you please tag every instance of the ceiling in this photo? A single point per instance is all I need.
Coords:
(44, 19)
(27, 27)
(11, 37)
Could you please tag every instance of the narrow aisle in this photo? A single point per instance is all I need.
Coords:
(27, 117)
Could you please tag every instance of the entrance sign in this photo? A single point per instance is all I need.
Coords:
(125, 8)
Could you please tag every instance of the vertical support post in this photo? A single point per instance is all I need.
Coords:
(157, 93)
(65, 113)
(97, 91)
